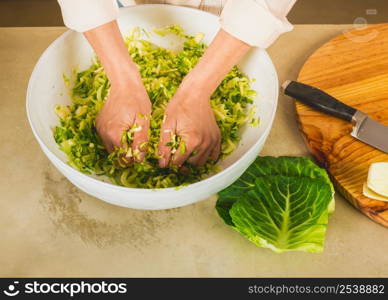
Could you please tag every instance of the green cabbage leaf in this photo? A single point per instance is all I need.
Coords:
(281, 203)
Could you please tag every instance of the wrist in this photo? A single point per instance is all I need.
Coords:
(224, 52)
(123, 76)
(127, 85)
(196, 88)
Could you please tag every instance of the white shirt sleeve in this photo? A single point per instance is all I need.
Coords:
(256, 22)
(83, 15)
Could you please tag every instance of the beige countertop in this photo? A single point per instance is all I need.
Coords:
(50, 228)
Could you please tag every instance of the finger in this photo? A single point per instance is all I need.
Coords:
(216, 151)
(183, 153)
(125, 160)
(119, 142)
(166, 133)
(201, 156)
(140, 138)
(104, 140)
(125, 152)
(113, 136)
(107, 145)
(205, 157)
(184, 171)
(116, 138)
(110, 140)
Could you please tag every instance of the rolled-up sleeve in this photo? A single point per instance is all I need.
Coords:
(256, 22)
(83, 15)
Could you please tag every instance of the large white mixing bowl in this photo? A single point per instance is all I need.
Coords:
(46, 89)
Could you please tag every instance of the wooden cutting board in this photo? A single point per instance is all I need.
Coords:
(352, 67)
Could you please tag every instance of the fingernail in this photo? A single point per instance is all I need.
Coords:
(162, 162)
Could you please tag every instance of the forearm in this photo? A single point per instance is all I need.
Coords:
(223, 53)
(110, 48)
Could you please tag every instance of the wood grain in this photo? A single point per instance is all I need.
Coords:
(352, 67)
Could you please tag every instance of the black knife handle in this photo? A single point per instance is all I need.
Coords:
(319, 100)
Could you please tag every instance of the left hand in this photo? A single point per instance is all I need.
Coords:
(189, 115)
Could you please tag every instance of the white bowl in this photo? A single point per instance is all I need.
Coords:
(46, 89)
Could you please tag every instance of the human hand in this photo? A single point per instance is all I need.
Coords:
(128, 103)
(189, 116)
(125, 107)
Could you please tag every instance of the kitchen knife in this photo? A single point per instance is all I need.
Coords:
(364, 128)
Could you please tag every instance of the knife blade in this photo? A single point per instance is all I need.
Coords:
(365, 129)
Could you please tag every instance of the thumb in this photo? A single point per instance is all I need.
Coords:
(167, 131)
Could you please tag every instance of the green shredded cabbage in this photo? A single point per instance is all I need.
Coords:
(162, 71)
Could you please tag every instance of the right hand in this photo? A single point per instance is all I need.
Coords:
(128, 103)
(189, 115)
(125, 107)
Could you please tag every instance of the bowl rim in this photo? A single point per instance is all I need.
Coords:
(208, 180)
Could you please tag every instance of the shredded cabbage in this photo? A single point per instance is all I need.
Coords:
(162, 71)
